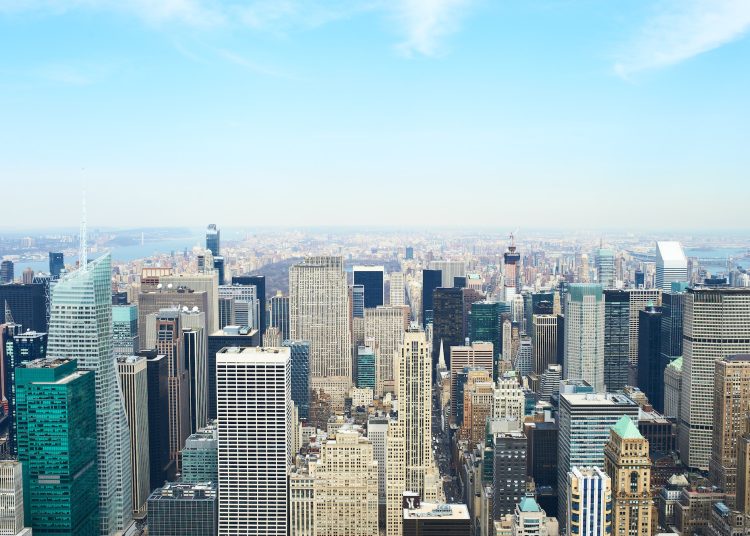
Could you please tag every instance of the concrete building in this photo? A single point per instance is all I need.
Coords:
(605, 267)
(544, 341)
(479, 354)
(584, 334)
(200, 457)
(319, 313)
(509, 472)
(639, 300)
(183, 509)
(11, 499)
(377, 433)
(396, 290)
(671, 265)
(530, 520)
(589, 503)
(716, 325)
(449, 270)
(254, 394)
(673, 389)
(385, 326)
(431, 519)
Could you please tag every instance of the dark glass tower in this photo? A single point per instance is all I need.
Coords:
(485, 325)
(213, 239)
(616, 338)
(259, 281)
(509, 482)
(280, 315)
(28, 304)
(431, 279)
(161, 467)
(300, 356)
(6, 272)
(234, 336)
(671, 324)
(448, 322)
(56, 263)
(219, 267)
(651, 365)
(371, 278)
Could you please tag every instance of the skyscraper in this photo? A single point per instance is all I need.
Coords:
(300, 363)
(509, 474)
(671, 265)
(161, 467)
(229, 336)
(259, 282)
(396, 289)
(511, 274)
(213, 239)
(56, 264)
(134, 384)
(365, 368)
(371, 278)
(57, 445)
(650, 363)
(639, 299)
(27, 303)
(478, 355)
(377, 433)
(589, 504)
(12, 520)
(200, 457)
(448, 321)
(627, 463)
(244, 307)
(616, 338)
(484, 325)
(81, 326)
(319, 313)
(605, 267)
(280, 314)
(544, 341)
(183, 509)
(584, 335)
(385, 326)
(716, 325)
(448, 270)
(125, 330)
(431, 279)
(731, 395)
(585, 420)
(254, 413)
(6, 271)
(672, 304)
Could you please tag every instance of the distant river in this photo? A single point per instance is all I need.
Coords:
(719, 256)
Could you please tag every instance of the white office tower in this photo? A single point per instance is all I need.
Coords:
(671, 265)
(377, 433)
(478, 355)
(346, 487)
(508, 400)
(584, 334)
(396, 291)
(385, 326)
(550, 382)
(80, 326)
(134, 384)
(716, 325)
(449, 269)
(11, 498)
(409, 439)
(253, 391)
(319, 313)
(524, 363)
(605, 267)
(245, 306)
(639, 299)
(589, 508)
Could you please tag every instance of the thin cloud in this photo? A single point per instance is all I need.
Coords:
(684, 29)
(427, 22)
(250, 65)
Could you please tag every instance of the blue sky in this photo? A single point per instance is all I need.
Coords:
(503, 113)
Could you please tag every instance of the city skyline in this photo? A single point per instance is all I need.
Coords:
(582, 101)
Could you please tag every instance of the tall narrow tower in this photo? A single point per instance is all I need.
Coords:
(511, 259)
(81, 326)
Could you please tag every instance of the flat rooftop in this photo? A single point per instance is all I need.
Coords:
(438, 511)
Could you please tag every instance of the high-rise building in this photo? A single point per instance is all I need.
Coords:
(605, 267)
(365, 368)
(449, 270)
(716, 325)
(125, 330)
(134, 385)
(200, 457)
(478, 355)
(239, 306)
(396, 289)
(377, 433)
(240, 337)
(671, 265)
(56, 264)
(431, 280)
(524, 363)
(57, 408)
(589, 503)
(478, 398)
(511, 272)
(6, 272)
(584, 334)
(650, 363)
(150, 301)
(616, 339)
(195, 343)
(81, 326)
(346, 487)
(254, 416)
(627, 463)
(385, 327)
(371, 278)
(27, 303)
(319, 313)
(508, 400)
(742, 499)
(27, 276)
(219, 269)
(448, 321)
(530, 520)
(485, 320)
(162, 467)
(673, 389)
(470, 297)
(509, 473)
(585, 420)
(300, 356)
(170, 343)
(183, 509)
(12, 519)
(358, 301)
(639, 299)
(731, 395)
(544, 341)
(259, 282)
(672, 304)
(549, 383)
(280, 314)
(202, 282)
(432, 519)
(213, 239)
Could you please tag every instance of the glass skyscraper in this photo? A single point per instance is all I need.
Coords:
(125, 330)
(56, 409)
(616, 338)
(213, 239)
(371, 278)
(300, 356)
(365, 367)
(431, 279)
(81, 326)
(56, 264)
(184, 509)
(484, 325)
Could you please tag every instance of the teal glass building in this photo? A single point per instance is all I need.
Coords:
(56, 416)
(365, 367)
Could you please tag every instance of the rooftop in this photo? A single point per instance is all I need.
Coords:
(626, 429)
(670, 252)
(528, 504)
(443, 511)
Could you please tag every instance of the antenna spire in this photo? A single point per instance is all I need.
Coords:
(83, 254)
(8, 315)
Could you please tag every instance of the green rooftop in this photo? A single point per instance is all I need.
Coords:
(528, 504)
(626, 429)
(676, 364)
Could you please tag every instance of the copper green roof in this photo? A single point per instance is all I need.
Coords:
(528, 504)
(676, 364)
(626, 429)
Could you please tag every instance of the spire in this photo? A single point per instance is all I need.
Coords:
(441, 359)
(83, 254)
(8, 315)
